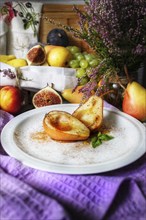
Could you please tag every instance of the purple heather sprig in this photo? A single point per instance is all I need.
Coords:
(115, 29)
(9, 73)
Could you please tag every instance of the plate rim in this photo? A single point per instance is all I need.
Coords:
(33, 162)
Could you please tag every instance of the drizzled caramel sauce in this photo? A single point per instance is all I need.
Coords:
(42, 136)
(104, 129)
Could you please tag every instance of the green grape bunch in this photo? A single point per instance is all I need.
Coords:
(83, 62)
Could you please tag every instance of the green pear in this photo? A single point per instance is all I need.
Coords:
(134, 102)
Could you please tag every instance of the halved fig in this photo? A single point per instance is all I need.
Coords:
(91, 113)
(36, 55)
(62, 126)
(46, 96)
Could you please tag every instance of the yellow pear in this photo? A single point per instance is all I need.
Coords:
(19, 62)
(134, 102)
(6, 58)
(73, 96)
(59, 56)
(48, 48)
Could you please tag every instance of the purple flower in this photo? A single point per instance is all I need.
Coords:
(115, 29)
(139, 50)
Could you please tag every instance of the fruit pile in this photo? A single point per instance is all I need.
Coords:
(60, 56)
(58, 53)
(57, 56)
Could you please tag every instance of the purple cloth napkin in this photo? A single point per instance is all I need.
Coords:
(30, 194)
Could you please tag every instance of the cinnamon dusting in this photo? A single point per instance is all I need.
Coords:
(40, 136)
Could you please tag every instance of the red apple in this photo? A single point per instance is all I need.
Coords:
(10, 99)
(134, 102)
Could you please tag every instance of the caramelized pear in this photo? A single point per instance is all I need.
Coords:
(91, 112)
(62, 126)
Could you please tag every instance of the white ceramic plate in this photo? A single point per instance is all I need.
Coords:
(24, 139)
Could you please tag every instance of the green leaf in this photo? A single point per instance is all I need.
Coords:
(27, 25)
(95, 142)
(105, 137)
(99, 138)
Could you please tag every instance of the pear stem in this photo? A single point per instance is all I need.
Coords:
(126, 72)
(120, 83)
(123, 87)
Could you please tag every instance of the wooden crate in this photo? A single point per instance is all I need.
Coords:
(63, 14)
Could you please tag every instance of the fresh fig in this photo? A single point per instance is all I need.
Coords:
(58, 37)
(46, 96)
(36, 55)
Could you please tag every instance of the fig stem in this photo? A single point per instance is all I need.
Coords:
(51, 85)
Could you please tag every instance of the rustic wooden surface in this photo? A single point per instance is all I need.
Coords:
(63, 14)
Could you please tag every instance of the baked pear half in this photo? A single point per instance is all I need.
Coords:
(91, 113)
(62, 126)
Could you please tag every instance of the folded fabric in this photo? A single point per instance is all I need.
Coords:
(38, 77)
(4, 118)
(19, 38)
(31, 194)
(3, 37)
